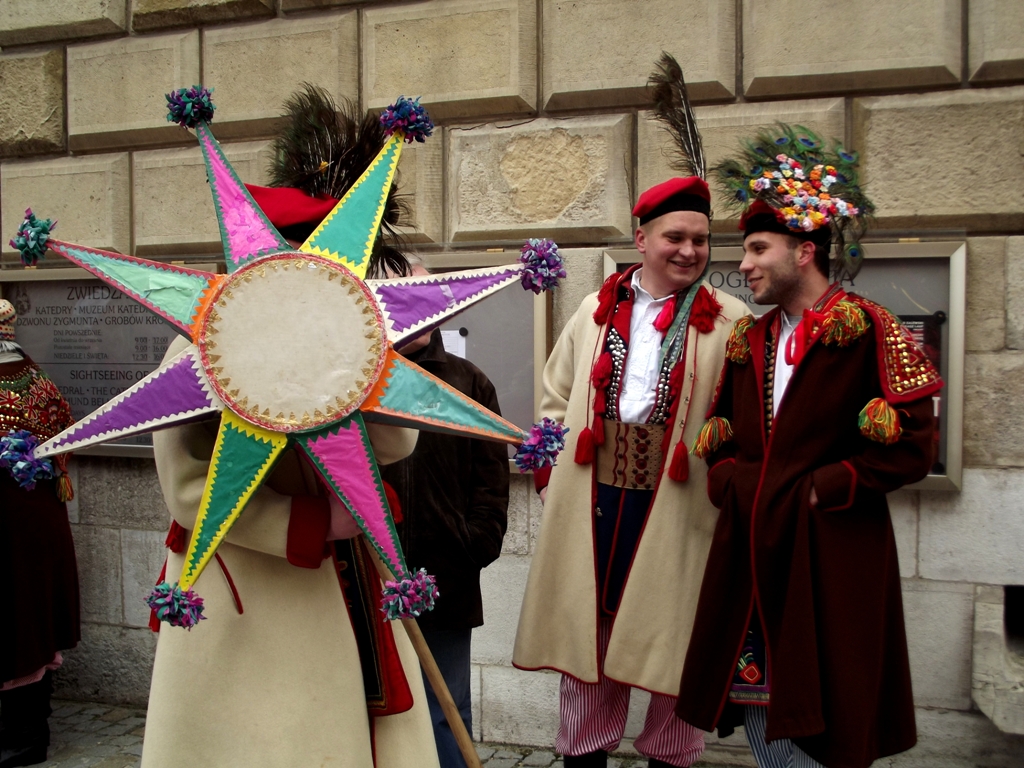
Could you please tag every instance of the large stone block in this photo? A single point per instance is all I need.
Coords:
(132, 75)
(122, 493)
(142, 556)
(870, 46)
(923, 156)
(600, 53)
(723, 128)
(998, 670)
(993, 425)
(986, 294)
(996, 48)
(939, 617)
(517, 537)
(98, 553)
(88, 195)
(974, 535)
(584, 269)
(564, 179)
(518, 707)
(272, 58)
(151, 15)
(289, 6)
(172, 206)
(502, 584)
(903, 508)
(465, 58)
(420, 181)
(110, 664)
(950, 739)
(31, 126)
(37, 21)
(1015, 292)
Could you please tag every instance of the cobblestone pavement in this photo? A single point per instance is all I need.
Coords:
(101, 736)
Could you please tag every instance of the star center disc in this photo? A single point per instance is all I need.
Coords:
(292, 342)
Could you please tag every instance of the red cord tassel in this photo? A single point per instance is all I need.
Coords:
(601, 376)
(679, 468)
(666, 316)
(585, 447)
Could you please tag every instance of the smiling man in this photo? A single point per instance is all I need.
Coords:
(627, 524)
(824, 407)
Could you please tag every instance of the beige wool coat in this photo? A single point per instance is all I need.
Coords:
(651, 630)
(279, 685)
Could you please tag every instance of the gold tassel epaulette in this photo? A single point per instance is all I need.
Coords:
(845, 323)
(737, 348)
(713, 435)
(880, 422)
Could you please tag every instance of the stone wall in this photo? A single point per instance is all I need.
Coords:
(545, 131)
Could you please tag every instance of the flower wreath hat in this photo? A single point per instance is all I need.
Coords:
(313, 377)
(809, 188)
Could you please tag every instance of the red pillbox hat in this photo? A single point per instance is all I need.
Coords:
(683, 193)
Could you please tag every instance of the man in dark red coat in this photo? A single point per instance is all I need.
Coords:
(824, 406)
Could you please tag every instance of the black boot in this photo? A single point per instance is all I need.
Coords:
(597, 759)
(25, 711)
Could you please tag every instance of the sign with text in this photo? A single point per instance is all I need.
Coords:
(91, 339)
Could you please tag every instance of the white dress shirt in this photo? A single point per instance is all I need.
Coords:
(783, 370)
(640, 379)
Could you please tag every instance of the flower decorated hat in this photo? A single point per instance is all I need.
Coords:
(313, 376)
(787, 181)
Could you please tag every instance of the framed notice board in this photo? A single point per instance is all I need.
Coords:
(921, 282)
(91, 339)
(507, 336)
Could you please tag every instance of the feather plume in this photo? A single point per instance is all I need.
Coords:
(323, 149)
(672, 107)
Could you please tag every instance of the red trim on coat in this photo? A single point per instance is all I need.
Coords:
(308, 524)
(231, 583)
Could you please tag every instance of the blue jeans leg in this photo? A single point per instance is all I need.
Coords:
(450, 648)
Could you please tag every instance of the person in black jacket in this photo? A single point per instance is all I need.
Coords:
(453, 501)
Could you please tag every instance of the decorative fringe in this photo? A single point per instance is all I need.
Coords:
(542, 446)
(542, 265)
(585, 447)
(606, 299)
(880, 422)
(597, 426)
(666, 316)
(408, 117)
(64, 490)
(188, 107)
(844, 323)
(737, 348)
(704, 311)
(16, 457)
(177, 608)
(679, 467)
(716, 432)
(31, 238)
(410, 597)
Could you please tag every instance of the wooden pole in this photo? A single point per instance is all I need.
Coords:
(433, 674)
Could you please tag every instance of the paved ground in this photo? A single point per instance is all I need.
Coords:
(111, 737)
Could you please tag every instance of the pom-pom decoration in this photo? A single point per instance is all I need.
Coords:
(880, 422)
(737, 348)
(541, 448)
(178, 608)
(844, 323)
(188, 107)
(410, 597)
(16, 457)
(31, 238)
(714, 434)
(409, 118)
(542, 265)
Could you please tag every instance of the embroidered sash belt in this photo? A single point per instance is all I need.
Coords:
(631, 455)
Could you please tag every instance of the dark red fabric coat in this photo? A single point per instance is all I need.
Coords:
(825, 579)
(37, 554)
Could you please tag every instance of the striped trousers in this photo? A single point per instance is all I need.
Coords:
(781, 753)
(592, 717)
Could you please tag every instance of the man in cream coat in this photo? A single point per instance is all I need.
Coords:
(627, 525)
